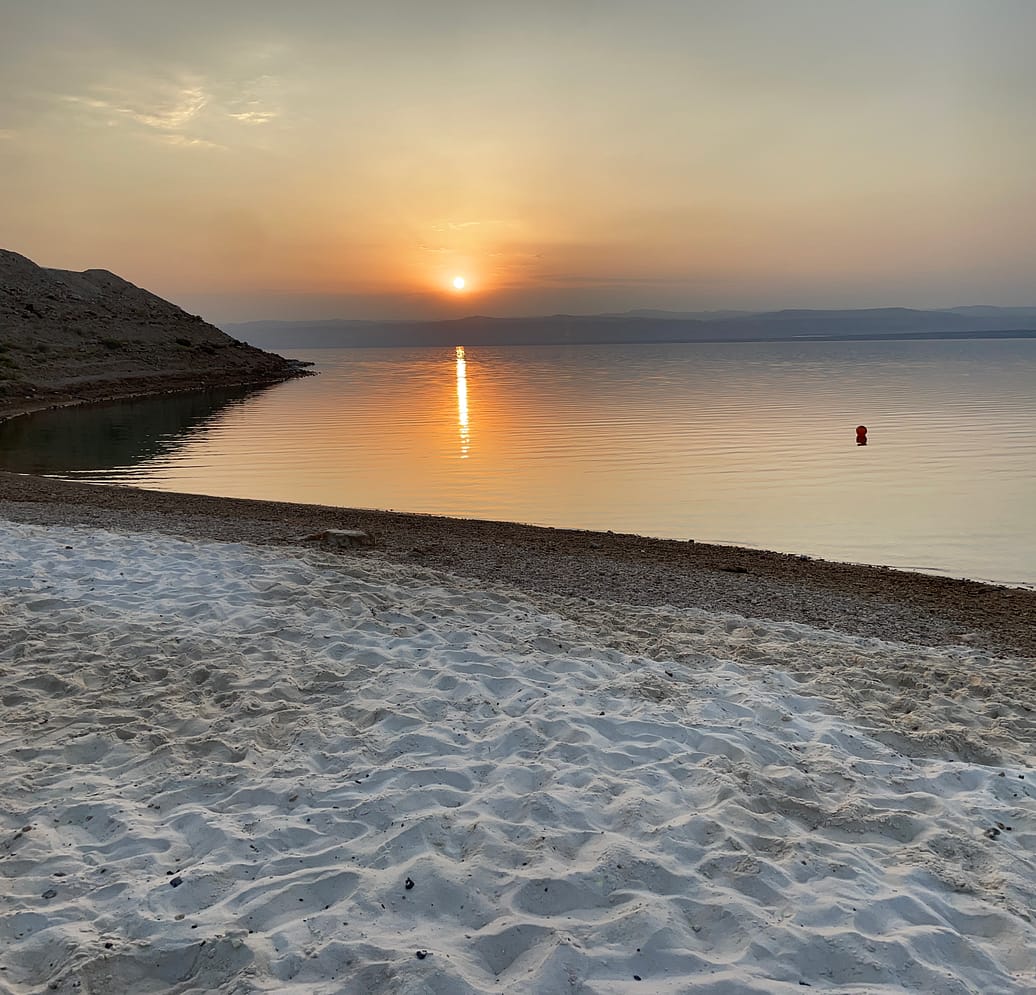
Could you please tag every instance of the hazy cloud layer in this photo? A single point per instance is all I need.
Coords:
(259, 159)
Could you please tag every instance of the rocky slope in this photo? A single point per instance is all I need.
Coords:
(82, 336)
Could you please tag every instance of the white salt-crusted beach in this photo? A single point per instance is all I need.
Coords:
(232, 768)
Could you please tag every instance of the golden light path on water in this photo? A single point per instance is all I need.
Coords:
(462, 403)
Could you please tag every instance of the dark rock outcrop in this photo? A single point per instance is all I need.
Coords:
(69, 336)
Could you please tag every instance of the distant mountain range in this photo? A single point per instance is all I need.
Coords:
(648, 326)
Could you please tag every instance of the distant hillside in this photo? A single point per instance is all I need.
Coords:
(93, 334)
(652, 326)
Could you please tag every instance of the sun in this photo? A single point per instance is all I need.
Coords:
(459, 283)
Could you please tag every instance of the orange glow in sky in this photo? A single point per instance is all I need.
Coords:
(679, 156)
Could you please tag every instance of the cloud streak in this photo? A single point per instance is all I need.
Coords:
(163, 112)
(188, 112)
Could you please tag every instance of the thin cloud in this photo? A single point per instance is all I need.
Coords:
(170, 112)
(461, 225)
(254, 102)
(254, 117)
(189, 112)
(584, 280)
(186, 140)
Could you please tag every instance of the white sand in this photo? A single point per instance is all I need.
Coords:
(580, 794)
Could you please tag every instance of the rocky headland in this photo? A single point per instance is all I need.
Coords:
(67, 337)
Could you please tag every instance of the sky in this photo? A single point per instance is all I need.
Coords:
(336, 159)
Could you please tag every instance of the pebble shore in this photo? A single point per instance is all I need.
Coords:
(857, 599)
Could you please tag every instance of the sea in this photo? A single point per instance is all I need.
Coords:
(753, 444)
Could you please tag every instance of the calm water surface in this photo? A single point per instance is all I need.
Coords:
(740, 443)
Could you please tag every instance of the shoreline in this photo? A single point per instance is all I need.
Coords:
(861, 600)
(864, 600)
(138, 387)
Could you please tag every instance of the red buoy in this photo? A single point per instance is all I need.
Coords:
(861, 435)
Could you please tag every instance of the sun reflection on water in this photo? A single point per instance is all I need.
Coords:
(462, 403)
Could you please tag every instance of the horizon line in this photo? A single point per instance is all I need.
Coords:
(658, 314)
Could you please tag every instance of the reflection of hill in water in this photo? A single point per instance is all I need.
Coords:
(110, 435)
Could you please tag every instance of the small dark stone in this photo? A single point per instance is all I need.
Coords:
(109, 945)
(50, 893)
(176, 882)
(408, 884)
(637, 977)
(421, 954)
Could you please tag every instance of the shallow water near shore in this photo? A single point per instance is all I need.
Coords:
(745, 443)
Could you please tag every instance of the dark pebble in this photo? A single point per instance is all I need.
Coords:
(50, 893)
(408, 884)
(176, 882)
(637, 977)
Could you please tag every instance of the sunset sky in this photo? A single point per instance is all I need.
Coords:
(326, 158)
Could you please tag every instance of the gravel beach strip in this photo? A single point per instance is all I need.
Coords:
(627, 569)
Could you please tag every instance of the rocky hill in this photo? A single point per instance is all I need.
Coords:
(82, 336)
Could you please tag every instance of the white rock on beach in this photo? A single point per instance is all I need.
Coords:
(235, 769)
